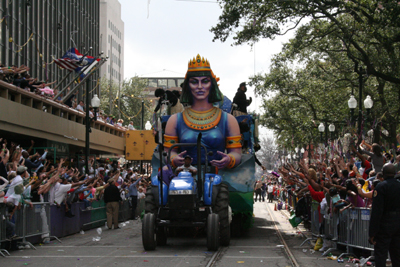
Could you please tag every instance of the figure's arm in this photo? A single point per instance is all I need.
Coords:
(233, 146)
(170, 138)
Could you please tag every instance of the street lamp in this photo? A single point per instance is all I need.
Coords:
(148, 126)
(95, 103)
(331, 129)
(321, 129)
(368, 104)
(352, 103)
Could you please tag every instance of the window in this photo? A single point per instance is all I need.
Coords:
(171, 83)
(152, 82)
(162, 82)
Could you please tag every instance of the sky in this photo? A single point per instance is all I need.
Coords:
(162, 35)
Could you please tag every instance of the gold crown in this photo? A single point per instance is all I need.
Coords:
(200, 64)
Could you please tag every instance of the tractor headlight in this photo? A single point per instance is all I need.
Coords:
(181, 192)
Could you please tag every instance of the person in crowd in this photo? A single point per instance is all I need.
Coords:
(241, 101)
(112, 198)
(263, 190)
(270, 191)
(133, 194)
(377, 159)
(81, 106)
(141, 194)
(72, 98)
(384, 228)
(130, 126)
(257, 191)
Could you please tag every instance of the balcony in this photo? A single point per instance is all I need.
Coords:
(23, 115)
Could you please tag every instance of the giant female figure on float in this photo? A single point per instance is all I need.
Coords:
(220, 134)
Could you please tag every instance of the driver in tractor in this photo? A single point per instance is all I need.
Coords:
(220, 130)
(187, 167)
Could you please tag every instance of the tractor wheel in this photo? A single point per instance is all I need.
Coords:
(222, 209)
(150, 203)
(161, 235)
(213, 232)
(148, 231)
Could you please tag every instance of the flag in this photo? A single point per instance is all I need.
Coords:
(87, 70)
(73, 60)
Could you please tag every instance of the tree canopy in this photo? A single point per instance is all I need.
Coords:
(311, 80)
(125, 102)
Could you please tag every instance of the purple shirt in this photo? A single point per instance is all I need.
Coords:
(358, 203)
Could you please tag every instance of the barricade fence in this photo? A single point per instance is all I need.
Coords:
(45, 221)
(348, 228)
(3, 227)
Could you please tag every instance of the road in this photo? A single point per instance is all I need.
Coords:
(260, 246)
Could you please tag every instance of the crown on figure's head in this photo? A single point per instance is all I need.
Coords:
(199, 64)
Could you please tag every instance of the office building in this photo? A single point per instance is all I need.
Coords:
(112, 40)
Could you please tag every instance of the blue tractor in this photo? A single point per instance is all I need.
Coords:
(187, 201)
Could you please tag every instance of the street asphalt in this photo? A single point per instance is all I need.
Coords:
(259, 246)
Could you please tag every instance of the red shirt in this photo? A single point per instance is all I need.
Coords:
(318, 196)
(367, 166)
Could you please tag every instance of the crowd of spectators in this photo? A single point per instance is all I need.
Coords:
(339, 184)
(19, 77)
(27, 178)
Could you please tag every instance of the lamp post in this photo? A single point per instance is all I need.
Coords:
(331, 129)
(321, 129)
(95, 104)
(352, 103)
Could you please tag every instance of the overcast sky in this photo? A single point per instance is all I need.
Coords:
(162, 36)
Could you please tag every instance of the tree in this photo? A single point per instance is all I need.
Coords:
(126, 103)
(331, 39)
(268, 154)
(355, 21)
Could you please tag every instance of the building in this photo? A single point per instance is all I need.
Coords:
(55, 26)
(112, 40)
(152, 83)
(33, 32)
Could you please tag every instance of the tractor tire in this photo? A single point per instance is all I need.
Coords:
(150, 203)
(222, 209)
(213, 232)
(149, 231)
(161, 236)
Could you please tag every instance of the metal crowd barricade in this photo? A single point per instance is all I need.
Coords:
(35, 221)
(331, 230)
(357, 221)
(140, 207)
(124, 211)
(314, 223)
(3, 226)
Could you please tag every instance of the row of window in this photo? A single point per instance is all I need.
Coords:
(113, 42)
(168, 83)
(114, 29)
(114, 58)
(114, 73)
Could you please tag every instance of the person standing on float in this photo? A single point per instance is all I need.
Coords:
(220, 130)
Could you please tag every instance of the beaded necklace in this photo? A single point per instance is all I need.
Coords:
(202, 120)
